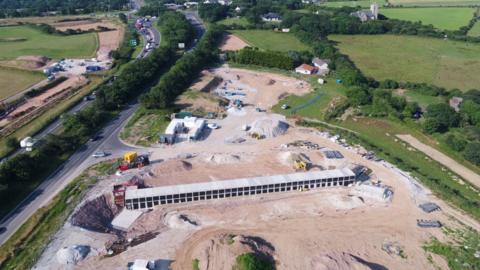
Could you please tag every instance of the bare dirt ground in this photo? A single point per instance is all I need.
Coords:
(263, 89)
(108, 41)
(331, 228)
(47, 96)
(28, 62)
(232, 43)
(450, 163)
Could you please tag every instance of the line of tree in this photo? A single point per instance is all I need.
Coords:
(182, 74)
(37, 91)
(254, 56)
(24, 8)
(112, 95)
(212, 12)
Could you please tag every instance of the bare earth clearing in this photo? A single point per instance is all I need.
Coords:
(330, 228)
(232, 43)
(108, 41)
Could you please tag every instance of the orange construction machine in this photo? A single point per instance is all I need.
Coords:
(132, 160)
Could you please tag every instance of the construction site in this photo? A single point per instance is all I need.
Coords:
(252, 181)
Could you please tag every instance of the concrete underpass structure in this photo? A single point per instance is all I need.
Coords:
(151, 197)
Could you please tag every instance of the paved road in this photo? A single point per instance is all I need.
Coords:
(77, 163)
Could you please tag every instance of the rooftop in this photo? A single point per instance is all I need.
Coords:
(236, 183)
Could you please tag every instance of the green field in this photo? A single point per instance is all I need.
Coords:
(421, 99)
(270, 40)
(423, 3)
(361, 3)
(450, 64)
(13, 81)
(24, 40)
(475, 31)
(442, 18)
(230, 21)
(314, 104)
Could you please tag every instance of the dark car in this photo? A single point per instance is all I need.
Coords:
(96, 138)
(2, 230)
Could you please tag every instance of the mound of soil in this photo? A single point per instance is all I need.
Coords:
(96, 215)
(33, 61)
(172, 166)
(221, 251)
(268, 127)
(342, 260)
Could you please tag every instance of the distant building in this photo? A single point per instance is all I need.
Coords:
(271, 17)
(321, 65)
(455, 102)
(306, 69)
(367, 15)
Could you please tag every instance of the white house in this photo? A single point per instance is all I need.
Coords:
(305, 69)
(321, 65)
(271, 17)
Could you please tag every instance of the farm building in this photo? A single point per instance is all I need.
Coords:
(188, 128)
(271, 17)
(150, 197)
(321, 65)
(306, 69)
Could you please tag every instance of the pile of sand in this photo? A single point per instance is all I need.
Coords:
(341, 260)
(377, 193)
(288, 157)
(72, 255)
(268, 127)
(344, 202)
(223, 159)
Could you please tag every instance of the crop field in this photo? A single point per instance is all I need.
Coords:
(361, 3)
(442, 18)
(475, 31)
(270, 40)
(23, 40)
(424, 3)
(450, 64)
(13, 80)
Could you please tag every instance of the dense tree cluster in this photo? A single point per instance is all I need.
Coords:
(181, 75)
(15, 8)
(175, 29)
(253, 56)
(212, 12)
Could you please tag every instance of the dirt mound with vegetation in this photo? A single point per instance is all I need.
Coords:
(96, 215)
(223, 251)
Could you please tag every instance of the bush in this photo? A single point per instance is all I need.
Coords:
(472, 153)
(455, 143)
(249, 261)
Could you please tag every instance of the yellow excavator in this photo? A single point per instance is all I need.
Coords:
(300, 163)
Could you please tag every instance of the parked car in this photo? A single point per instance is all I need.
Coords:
(99, 154)
(213, 126)
(96, 138)
(285, 106)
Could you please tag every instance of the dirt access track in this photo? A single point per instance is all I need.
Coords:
(448, 162)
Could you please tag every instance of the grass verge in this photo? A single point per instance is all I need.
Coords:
(24, 248)
(460, 252)
(145, 125)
